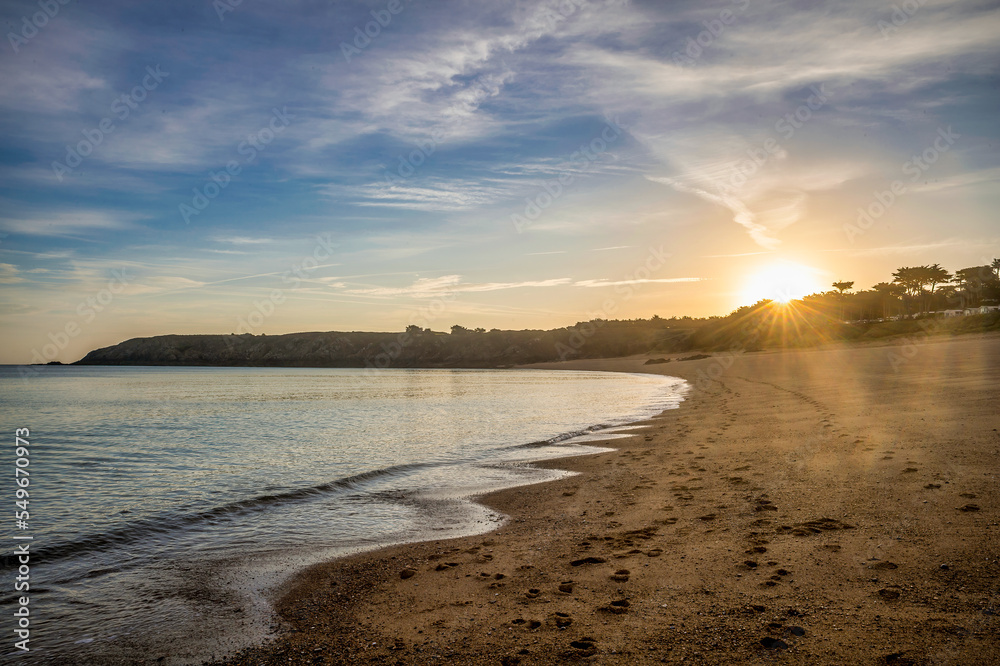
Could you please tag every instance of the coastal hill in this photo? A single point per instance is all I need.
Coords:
(754, 328)
(412, 348)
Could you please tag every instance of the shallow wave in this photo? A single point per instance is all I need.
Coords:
(141, 529)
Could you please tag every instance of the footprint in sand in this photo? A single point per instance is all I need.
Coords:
(533, 593)
(969, 508)
(883, 566)
(621, 575)
(765, 505)
(559, 620)
(619, 607)
(566, 586)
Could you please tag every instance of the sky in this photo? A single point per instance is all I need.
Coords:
(305, 165)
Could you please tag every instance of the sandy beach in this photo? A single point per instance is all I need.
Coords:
(826, 506)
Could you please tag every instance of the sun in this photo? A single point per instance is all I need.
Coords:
(781, 282)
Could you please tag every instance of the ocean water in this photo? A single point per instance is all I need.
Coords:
(167, 505)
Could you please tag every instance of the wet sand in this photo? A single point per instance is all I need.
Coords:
(811, 507)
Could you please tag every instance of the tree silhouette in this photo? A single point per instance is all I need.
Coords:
(936, 275)
(972, 283)
(889, 294)
(842, 286)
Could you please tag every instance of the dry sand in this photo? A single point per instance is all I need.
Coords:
(814, 507)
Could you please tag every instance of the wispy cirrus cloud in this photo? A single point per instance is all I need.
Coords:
(454, 284)
(68, 224)
(243, 240)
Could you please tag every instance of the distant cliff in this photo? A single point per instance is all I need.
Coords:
(414, 348)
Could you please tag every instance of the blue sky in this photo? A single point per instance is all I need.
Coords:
(200, 167)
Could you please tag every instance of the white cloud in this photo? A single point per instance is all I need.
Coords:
(9, 274)
(617, 283)
(243, 240)
(67, 224)
(453, 284)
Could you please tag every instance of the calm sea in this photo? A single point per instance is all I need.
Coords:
(168, 504)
